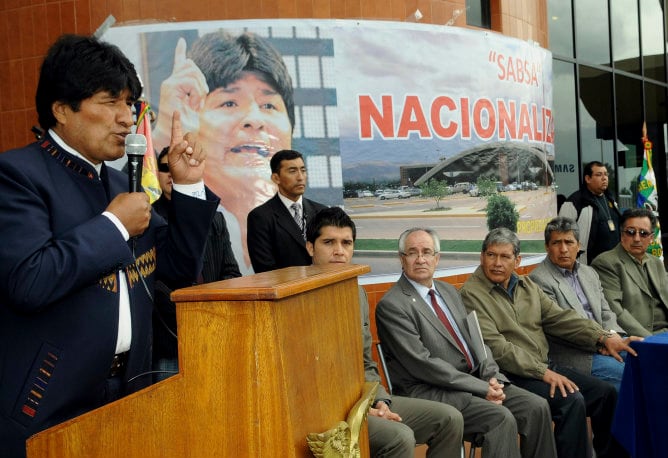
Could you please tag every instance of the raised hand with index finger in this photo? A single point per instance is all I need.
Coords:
(186, 157)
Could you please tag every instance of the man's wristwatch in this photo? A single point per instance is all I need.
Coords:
(387, 402)
(600, 343)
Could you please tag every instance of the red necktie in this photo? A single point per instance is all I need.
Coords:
(444, 319)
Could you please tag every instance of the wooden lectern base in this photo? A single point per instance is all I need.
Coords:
(264, 360)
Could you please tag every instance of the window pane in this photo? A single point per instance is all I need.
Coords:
(478, 13)
(565, 128)
(560, 27)
(595, 110)
(655, 113)
(625, 35)
(651, 27)
(629, 133)
(591, 26)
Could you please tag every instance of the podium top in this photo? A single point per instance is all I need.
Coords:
(276, 284)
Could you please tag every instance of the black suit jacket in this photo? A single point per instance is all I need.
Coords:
(274, 238)
(218, 263)
(59, 299)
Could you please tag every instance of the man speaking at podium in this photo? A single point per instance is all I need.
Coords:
(396, 423)
(80, 254)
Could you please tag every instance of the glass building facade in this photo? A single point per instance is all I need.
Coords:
(609, 78)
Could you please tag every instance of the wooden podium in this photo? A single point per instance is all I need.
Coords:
(263, 360)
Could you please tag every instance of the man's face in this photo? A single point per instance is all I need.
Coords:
(165, 178)
(636, 245)
(241, 126)
(562, 249)
(291, 178)
(419, 259)
(97, 131)
(499, 262)
(597, 183)
(334, 245)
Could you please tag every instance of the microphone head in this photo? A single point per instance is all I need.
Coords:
(135, 144)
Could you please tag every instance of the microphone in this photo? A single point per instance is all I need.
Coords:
(135, 148)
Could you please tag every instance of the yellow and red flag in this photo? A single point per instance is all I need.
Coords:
(149, 176)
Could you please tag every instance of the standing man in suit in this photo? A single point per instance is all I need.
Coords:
(396, 423)
(81, 255)
(516, 317)
(576, 286)
(277, 228)
(218, 263)
(429, 350)
(595, 211)
(634, 281)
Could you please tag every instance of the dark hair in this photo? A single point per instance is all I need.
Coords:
(76, 68)
(222, 58)
(501, 235)
(638, 213)
(283, 155)
(163, 153)
(561, 224)
(589, 167)
(332, 216)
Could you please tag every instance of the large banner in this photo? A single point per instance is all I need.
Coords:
(377, 108)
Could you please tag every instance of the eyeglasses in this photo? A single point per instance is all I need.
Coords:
(427, 255)
(600, 174)
(163, 167)
(641, 232)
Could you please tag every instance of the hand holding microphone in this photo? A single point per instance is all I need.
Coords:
(135, 148)
(133, 209)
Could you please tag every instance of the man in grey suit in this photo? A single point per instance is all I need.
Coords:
(576, 286)
(396, 423)
(634, 281)
(431, 354)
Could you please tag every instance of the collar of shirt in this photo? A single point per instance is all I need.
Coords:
(287, 202)
(514, 280)
(566, 272)
(72, 151)
(422, 290)
(635, 260)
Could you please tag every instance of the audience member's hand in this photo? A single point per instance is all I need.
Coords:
(615, 344)
(382, 410)
(186, 156)
(495, 392)
(133, 210)
(557, 380)
(185, 91)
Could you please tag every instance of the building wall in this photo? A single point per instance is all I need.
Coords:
(28, 27)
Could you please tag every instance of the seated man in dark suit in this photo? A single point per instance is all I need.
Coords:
(396, 423)
(516, 317)
(635, 282)
(218, 264)
(575, 286)
(422, 324)
(276, 228)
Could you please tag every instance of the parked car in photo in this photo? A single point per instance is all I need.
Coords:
(393, 194)
(387, 194)
(473, 191)
(462, 186)
(415, 191)
(365, 193)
